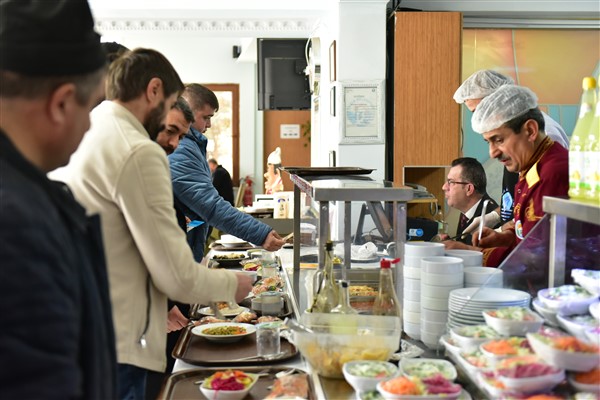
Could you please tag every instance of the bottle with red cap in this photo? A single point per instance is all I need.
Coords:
(386, 302)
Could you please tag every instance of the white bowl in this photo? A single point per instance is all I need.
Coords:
(573, 361)
(549, 315)
(413, 285)
(413, 334)
(485, 285)
(431, 339)
(533, 384)
(588, 279)
(482, 275)
(391, 396)
(594, 309)
(462, 336)
(576, 325)
(449, 343)
(494, 358)
(511, 327)
(427, 368)
(423, 249)
(442, 265)
(412, 261)
(583, 387)
(434, 316)
(572, 299)
(362, 383)
(412, 295)
(412, 272)
(593, 335)
(436, 328)
(412, 317)
(228, 394)
(454, 279)
(431, 303)
(469, 257)
(411, 326)
(437, 292)
(412, 306)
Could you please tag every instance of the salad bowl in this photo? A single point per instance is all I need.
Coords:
(576, 325)
(565, 352)
(427, 367)
(513, 321)
(222, 392)
(469, 338)
(364, 376)
(567, 299)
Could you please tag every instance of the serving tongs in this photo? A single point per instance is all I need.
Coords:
(213, 306)
(294, 325)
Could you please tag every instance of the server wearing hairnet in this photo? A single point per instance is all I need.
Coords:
(473, 90)
(513, 126)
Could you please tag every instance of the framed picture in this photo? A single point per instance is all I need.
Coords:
(362, 111)
(332, 63)
(332, 101)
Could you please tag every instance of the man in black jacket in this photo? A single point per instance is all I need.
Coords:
(56, 336)
(221, 180)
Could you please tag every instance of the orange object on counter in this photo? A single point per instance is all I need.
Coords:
(589, 378)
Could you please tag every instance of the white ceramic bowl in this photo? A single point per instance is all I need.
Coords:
(412, 261)
(469, 257)
(486, 285)
(482, 275)
(572, 361)
(494, 358)
(228, 394)
(412, 295)
(468, 343)
(437, 292)
(569, 302)
(454, 279)
(362, 383)
(427, 368)
(431, 339)
(412, 317)
(423, 249)
(593, 335)
(412, 327)
(510, 327)
(431, 303)
(442, 265)
(450, 345)
(588, 279)
(391, 396)
(533, 384)
(413, 285)
(439, 328)
(434, 316)
(412, 306)
(576, 325)
(583, 387)
(412, 272)
(594, 309)
(549, 315)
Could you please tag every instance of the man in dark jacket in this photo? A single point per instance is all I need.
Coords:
(57, 339)
(221, 180)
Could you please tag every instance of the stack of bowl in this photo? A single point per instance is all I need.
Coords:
(413, 253)
(439, 276)
(483, 277)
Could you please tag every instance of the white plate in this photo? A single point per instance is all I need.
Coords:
(227, 312)
(595, 310)
(199, 331)
(231, 244)
(490, 295)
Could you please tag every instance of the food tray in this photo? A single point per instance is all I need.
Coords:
(318, 171)
(196, 350)
(181, 385)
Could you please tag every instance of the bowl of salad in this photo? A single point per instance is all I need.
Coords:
(594, 309)
(499, 349)
(228, 385)
(427, 368)
(413, 388)
(470, 337)
(588, 279)
(576, 325)
(548, 313)
(528, 374)
(565, 352)
(364, 376)
(586, 381)
(567, 299)
(593, 335)
(513, 321)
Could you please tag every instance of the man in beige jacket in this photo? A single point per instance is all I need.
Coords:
(120, 172)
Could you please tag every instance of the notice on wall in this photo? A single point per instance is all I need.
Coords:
(289, 131)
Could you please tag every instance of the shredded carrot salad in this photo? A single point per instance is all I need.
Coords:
(402, 385)
(590, 378)
(570, 343)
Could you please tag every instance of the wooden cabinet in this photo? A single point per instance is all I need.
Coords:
(427, 72)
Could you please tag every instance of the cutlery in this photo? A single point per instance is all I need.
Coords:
(213, 306)
(257, 357)
(288, 237)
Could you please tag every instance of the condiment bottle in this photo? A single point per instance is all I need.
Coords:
(328, 293)
(344, 306)
(386, 302)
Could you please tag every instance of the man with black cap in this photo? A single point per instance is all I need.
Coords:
(57, 338)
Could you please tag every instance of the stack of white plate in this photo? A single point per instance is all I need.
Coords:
(413, 253)
(483, 277)
(439, 277)
(466, 305)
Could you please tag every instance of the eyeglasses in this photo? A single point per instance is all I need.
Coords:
(453, 182)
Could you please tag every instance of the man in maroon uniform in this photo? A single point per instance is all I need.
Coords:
(512, 124)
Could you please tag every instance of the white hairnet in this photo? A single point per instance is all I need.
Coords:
(275, 157)
(506, 103)
(481, 84)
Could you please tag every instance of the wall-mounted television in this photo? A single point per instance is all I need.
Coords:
(282, 83)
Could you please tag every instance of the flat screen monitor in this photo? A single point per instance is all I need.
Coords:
(282, 83)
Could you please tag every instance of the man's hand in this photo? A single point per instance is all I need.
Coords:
(244, 286)
(273, 242)
(490, 220)
(454, 245)
(492, 238)
(176, 320)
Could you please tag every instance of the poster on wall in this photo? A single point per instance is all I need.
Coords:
(362, 112)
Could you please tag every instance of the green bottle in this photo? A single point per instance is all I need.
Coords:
(578, 187)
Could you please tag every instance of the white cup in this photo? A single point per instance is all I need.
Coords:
(442, 265)
(268, 342)
(471, 258)
(423, 249)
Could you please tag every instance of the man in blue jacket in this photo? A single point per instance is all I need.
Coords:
(56, 337)
(194, 192)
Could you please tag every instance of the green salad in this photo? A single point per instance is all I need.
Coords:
(426, 369)
(512, 313)
(370, 370)
(478, 331)
(567, 292)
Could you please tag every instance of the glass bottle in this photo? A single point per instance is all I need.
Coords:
(328, 293)
(442, 225)
(577, 174)
(386, 302)
(344, 306)
(591, 160)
